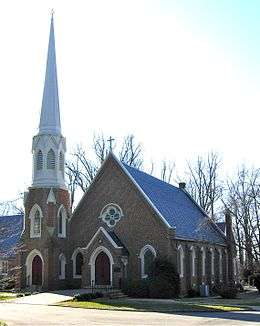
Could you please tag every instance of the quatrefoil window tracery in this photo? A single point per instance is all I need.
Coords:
(111, 214)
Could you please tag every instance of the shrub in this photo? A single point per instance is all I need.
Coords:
(7, 283)
(137, 289)
(228, 291)
(88, 296)
(165, 281)
(192, 293)
(256, 279)
(239, 287)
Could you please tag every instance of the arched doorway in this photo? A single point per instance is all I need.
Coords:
(37, 271)
(102, 269)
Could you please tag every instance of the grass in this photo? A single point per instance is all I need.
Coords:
(6, 296)
(148, 305)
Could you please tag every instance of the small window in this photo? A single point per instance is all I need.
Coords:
(62, 222)
(147, 256)
(37, 223)
(39, 161)
(62, 265)
(193, 261)
(148, 260)
(79, 263)
(61, 162)
(111, 214)
(212, 261)
(51, 160)
(4, 269)
(181, 261)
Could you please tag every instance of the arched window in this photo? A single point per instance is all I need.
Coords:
(181, 260)
(147, 256)
(77, 260)
(203, 261)
(193, 261)
(62, 266)
(220, 263)
(61, 162)
(51, 160)
(62, 222)
(35, 221)
(39, 160)
(212, 261)
(79, 263)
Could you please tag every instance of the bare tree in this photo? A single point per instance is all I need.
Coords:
(204, 184)
(167, 168)
(12, 207)
(82, 167)
(243, 199)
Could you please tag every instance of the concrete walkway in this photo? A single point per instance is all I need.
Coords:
(49, 298)
(42, 315)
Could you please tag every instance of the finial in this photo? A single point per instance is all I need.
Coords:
(52, 13)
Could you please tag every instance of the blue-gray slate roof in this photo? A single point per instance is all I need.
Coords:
(178, 209)
(11, 228)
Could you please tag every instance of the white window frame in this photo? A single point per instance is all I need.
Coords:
(181, 260)
(212, 259)
(193, 261)
(32, 217)
(141, 256)
(73, 258)
(220, 263)
(4, 267)
(203, 261)
(62, 261)
(62, 210)
(104, 211)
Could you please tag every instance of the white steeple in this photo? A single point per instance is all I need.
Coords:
(49, 146)
(50, 113)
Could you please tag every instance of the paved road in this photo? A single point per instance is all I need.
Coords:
(25, 314)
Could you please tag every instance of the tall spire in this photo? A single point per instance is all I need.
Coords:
(50, 112)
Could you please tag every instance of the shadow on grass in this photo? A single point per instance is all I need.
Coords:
(145, 306)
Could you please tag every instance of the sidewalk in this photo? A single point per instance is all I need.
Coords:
(49, 298)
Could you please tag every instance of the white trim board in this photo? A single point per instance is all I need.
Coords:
(106, 234)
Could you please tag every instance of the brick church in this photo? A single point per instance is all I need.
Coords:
(124, 220)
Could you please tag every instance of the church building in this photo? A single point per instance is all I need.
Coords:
(125, 219)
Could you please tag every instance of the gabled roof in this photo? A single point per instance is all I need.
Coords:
(11, 228)
(177, 207)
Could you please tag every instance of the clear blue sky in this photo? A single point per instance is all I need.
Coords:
(182, 76)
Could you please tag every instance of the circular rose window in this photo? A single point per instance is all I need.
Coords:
(111, 214)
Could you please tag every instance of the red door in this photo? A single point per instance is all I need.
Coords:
(37, 270)
(102, 269)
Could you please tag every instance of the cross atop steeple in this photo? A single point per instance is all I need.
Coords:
(50, 112)
(110, 140)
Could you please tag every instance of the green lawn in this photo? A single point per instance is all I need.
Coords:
(6, 296)
(250, 298)
(148, 305)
